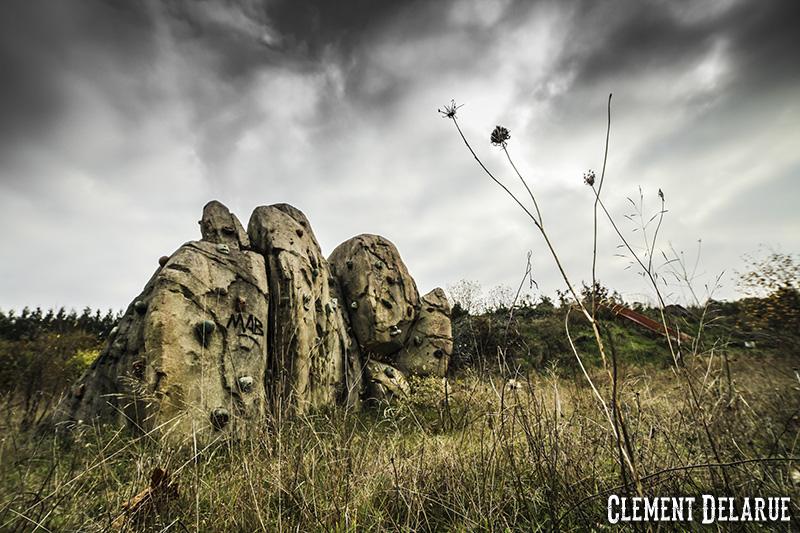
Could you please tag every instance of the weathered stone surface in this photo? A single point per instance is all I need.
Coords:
(179, 353)
(313, 360)
(384, 382)
(220, 226)
(381, 296)
(430, 342)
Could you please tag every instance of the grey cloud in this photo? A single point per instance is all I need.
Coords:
(610, 40)
(123, 118)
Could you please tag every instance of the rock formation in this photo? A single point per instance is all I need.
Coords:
(430, 341)
(190, 352)
(393, 326)
(241, 326)
(380, 294)
(312, 359)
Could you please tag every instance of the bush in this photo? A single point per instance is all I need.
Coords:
(42, 355)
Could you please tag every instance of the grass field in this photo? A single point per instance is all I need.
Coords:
(486, 453)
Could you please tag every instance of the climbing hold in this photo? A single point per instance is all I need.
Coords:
(140, 306)
(220, 418)
(299, 232)
(163, 260)
(241, 304)
(138, 369)
(246, 383)
(113, 331)
(349, 264)
(389, 371)
(394, 331)
(438, 354)
(203, 332)
(354, 305)
(417, 340)
(223, 249)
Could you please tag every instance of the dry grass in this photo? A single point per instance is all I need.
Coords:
(486, 456)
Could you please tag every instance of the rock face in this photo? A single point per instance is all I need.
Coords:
(430, 342)
(220, 226)
(380, 295)
(243, 326)
(189, 354)
(393, 326)
(313, 361)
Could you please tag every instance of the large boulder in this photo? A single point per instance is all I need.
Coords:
(313, 361)
(380, 295)
(189, 355)
(430, 342)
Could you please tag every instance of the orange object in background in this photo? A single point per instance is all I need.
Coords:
(647, 322)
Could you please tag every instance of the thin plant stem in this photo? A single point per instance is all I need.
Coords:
(525, 183)
(596, 201)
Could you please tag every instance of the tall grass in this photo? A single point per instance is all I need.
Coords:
(531, 455)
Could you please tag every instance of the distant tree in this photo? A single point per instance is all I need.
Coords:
(42, 354)
(771, 283)
(466, 297)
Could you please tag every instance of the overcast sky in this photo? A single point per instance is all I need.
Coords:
(119, 120)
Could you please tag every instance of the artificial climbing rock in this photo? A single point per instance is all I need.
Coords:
(242, 326)
(384, 382)
(380, 294)
(180, 350)
(313, 359)
(430, 342)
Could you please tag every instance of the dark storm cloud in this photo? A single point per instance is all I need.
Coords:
(119, 119)
(41, 41)
(315, 26)
(615, 39)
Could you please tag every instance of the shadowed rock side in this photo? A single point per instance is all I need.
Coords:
(313, 361)
(430, 341)
(189, 355)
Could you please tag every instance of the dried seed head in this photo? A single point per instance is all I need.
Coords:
(588, 178)
(449, 110)
(500, 136)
